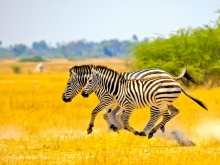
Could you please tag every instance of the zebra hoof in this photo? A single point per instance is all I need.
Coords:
(143, 134)
(162, 129)
(150, 135)
(89, 130)
(137, 133)
(114, 128)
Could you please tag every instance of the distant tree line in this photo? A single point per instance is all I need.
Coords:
(72, 50)
(197, 49)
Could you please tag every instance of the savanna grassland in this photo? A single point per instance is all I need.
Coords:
(37, 127)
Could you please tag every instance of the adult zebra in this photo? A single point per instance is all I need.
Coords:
(158, 91)
(75, 85)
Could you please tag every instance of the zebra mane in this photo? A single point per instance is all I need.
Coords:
(87, 69)
(81, 69)
(103, 68)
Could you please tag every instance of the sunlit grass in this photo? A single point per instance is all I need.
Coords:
(37, 127)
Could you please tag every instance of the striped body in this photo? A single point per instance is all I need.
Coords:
(149, 92)
(158, 91)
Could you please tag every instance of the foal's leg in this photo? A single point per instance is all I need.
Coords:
(101, 106)
(110, 115)
(127, 114)
(119, 119)
(174, 111)
(154, 116)
(163, 107)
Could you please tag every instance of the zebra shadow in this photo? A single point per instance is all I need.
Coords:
(178, 136)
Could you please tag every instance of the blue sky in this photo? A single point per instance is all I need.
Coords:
(25, 21)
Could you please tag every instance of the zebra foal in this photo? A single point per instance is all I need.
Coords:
(130, 94)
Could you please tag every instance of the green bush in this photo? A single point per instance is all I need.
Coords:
(73, 58)
(197, 49)
(16, 68)
(32, 59)
(6, 55)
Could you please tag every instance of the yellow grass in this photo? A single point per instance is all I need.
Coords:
(37, 127)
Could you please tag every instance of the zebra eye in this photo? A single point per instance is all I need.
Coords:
(90, 81)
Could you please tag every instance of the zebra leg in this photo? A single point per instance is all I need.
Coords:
(166, 117)
(127, 114)
(97, 109)
(118, 117)
(111, 115)
(154, 116)
(174, 111)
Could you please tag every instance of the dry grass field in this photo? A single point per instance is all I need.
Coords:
(37, 127)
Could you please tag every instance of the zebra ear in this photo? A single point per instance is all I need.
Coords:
(94, 71)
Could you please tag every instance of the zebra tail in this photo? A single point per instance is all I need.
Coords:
(195, 99)
(185, 74)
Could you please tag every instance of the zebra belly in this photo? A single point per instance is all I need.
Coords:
(141, 104)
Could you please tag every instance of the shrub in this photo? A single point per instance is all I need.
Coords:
(32, 59)
(197, 49)
(16, 68)
(73, 58)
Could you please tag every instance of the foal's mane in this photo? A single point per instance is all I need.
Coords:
(87, 69)
(104, 68)
(81, 68)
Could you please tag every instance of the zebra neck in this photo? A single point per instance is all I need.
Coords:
(83, 79)
(112, 84)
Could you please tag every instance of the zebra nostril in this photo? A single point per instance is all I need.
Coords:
(84, 94)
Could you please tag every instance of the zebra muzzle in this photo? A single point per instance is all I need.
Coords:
(66, 99)
(84, 94)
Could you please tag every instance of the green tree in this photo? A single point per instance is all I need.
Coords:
(32, 59)
(197, 49)
(19, 49)
(42, 45)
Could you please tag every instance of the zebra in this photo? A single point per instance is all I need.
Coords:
(137, 93)
(75, 85)
(107, 101)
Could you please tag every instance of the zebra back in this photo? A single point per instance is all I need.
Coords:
(111, 78)
(85, 70)
(155, 72)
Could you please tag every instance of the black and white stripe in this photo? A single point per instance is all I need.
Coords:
(158, 91)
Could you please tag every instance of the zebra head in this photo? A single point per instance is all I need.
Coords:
(92, 84)
(73, 87)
